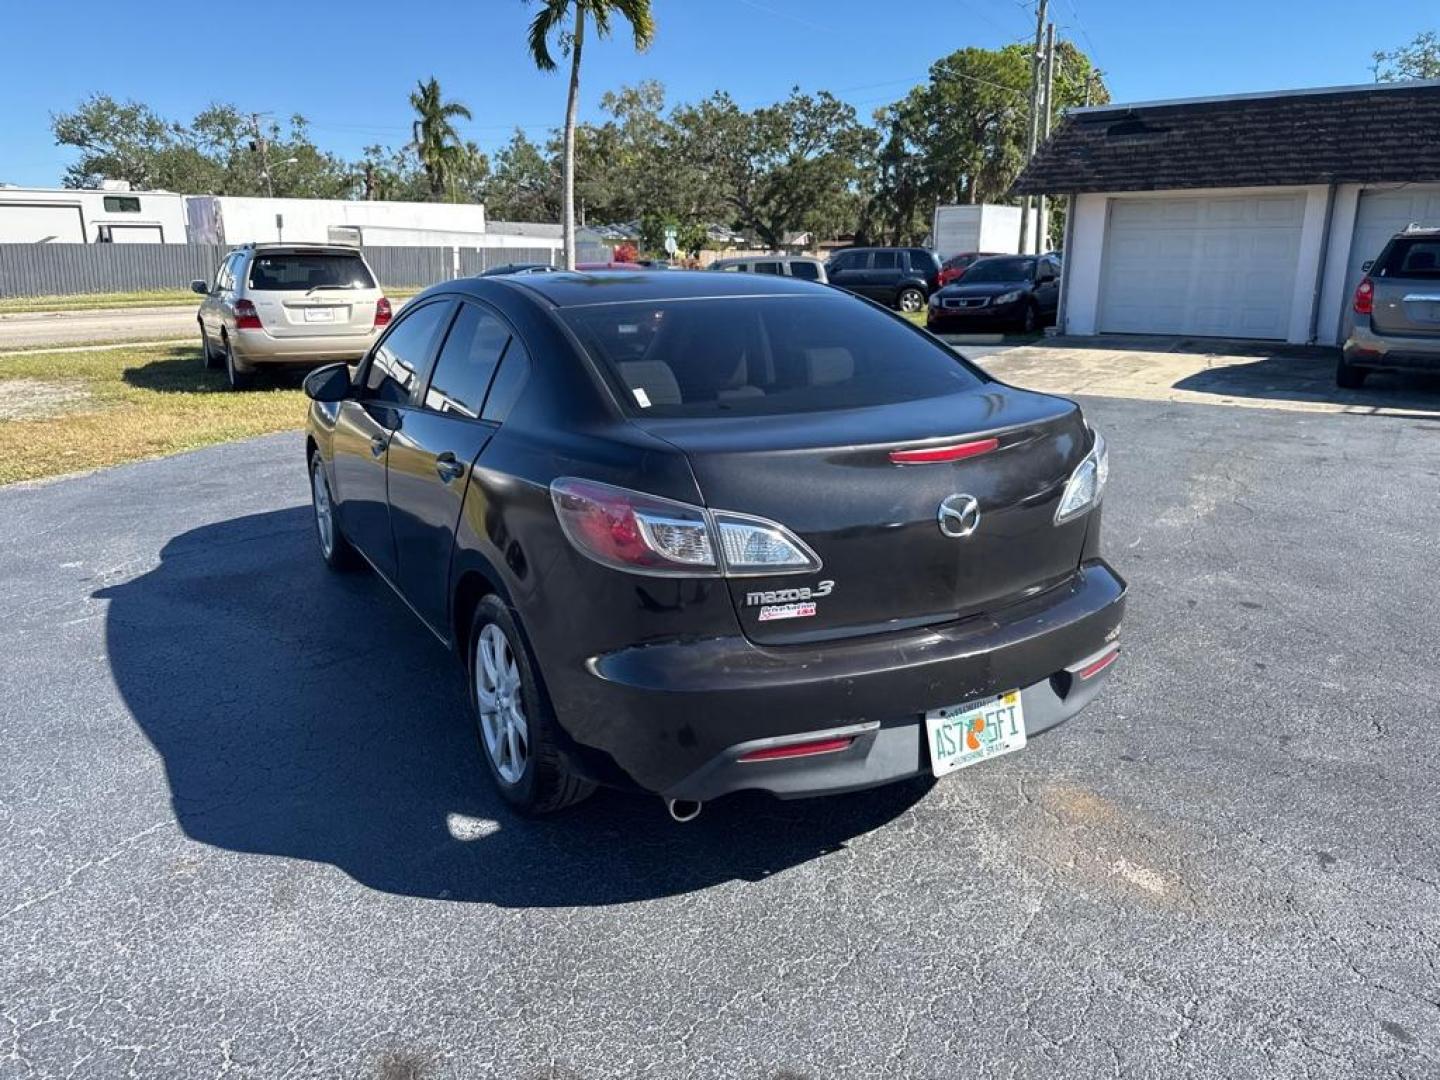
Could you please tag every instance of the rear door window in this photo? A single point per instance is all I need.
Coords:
(754, 356)
(768, 268)
(1410, 258)
(399, 361)
(886, 260)
(467, 363)
(299, 272)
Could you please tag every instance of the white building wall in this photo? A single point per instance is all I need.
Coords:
(259, 220)
(1086, 257)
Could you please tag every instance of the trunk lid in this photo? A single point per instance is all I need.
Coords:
(1406, 308)
(828, 477)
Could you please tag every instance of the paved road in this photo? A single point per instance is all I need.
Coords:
(243, 831)
(29, 331)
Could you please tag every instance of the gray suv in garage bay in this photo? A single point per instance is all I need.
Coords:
(1397, 311)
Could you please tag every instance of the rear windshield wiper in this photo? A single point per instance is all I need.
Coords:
(317, 288)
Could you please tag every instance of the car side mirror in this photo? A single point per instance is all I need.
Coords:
(329, 383)
(1367, 266)
(201, 287)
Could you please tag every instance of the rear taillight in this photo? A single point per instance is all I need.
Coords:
(1365, 297)
(1087, 483)
(645, 534)
(382, 312)
(246, 317)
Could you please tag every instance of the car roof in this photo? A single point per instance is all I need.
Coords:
(578, 288)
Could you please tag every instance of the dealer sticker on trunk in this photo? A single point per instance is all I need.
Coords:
(771, 612)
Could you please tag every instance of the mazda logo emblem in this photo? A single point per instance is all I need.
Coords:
(959, 516)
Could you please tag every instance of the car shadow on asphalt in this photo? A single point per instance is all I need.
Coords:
(308, 715)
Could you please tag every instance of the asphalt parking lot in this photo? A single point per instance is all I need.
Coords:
(244, 832)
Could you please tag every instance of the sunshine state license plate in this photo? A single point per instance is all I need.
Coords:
(962, 735)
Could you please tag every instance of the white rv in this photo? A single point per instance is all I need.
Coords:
(109, 215)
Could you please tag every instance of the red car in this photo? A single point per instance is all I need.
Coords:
(953, 268)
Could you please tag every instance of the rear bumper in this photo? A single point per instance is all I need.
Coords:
(255, 347)
(680, 714)
(1367, 349)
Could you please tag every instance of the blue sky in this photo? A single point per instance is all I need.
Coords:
(349, 65)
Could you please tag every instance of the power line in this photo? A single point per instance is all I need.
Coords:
(1080, 25)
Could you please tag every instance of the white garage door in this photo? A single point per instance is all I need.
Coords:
(1213, 267)
(1381, 214)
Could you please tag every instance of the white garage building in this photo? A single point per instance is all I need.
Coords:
(1242, 217)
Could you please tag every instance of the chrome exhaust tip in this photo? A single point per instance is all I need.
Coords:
(683, 810)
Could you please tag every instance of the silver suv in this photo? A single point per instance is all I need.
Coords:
(288, 305)
(796, 266)
(1397, 311)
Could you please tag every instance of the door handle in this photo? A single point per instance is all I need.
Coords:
(448, 468)
(379, 444)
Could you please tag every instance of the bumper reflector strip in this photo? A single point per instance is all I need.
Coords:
(1090, 670)
(801, 749)
(956, 452)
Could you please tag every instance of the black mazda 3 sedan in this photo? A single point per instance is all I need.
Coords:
(697, 533)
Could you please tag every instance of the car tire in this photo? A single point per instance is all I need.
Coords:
(910, 300)
(335, 550)
(1348, 376)
(212, 361)
(239, 380)
(1030, 322)
(514, 724)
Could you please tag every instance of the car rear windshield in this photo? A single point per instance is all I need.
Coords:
(754, 356)
(1000, 270)
(1417, 258)
(296, 272)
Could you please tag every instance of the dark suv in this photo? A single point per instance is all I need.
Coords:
(1397, 311)
(900, 277)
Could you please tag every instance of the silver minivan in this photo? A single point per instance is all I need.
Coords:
(1397, 311)
(796, 266)
(291, 305)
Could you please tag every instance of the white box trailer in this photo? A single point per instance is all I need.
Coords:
(982, 227)
(90, 216)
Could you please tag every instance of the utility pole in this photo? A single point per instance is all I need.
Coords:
(1042, 224)
(262, 150)
(1042, 9)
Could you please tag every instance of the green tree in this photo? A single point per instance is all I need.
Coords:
(551, 21)
(217, 152)
(525, 185)
(1420, 59)
(960, 136)
(436, 141)
(790, 167)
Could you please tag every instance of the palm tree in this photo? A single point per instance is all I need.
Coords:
(436, 141)
(550, 20)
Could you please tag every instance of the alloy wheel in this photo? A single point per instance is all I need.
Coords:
(324, 509)
(503, 727)
(911, 300)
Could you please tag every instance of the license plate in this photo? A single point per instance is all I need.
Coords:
(319, 314)
(963, 735)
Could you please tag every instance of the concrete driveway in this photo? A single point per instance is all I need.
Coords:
(244, 830)
(1202, 371)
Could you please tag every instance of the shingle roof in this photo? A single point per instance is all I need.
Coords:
(1350, 134)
